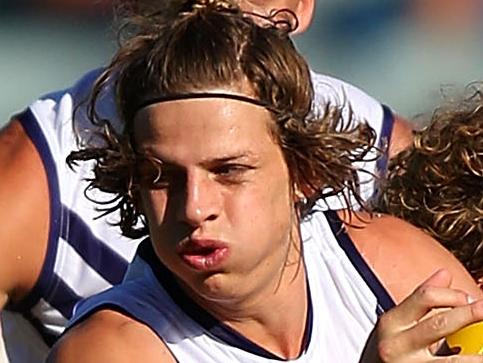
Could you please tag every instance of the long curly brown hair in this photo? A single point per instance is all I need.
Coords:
(206, 44)
(437, 184)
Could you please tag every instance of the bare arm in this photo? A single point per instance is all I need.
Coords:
(411, 332)
(423, 278)
(24, 212)
(403, 256)
(109, 336)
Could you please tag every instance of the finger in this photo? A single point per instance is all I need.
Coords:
(430, 330)
(417, 305)
(440, 278)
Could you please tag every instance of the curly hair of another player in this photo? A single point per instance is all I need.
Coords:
(437, 184)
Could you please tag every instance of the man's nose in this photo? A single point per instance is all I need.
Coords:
(202, 200)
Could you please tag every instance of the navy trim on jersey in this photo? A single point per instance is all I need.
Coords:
(62, 298)
(205, 319)
(43, 284)
(104, 260)
(385, 139)
(384, 300)
(100, 257)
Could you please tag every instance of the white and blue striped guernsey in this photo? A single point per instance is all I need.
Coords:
(87, 255)
(345, 299)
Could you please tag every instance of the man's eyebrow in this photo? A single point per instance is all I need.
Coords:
(168, 164)
(227, 159)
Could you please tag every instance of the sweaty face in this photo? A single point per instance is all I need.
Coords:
(221, 213)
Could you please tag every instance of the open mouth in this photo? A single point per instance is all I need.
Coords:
(199, 251)
(203, 255)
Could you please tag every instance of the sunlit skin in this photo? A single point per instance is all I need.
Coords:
(304, 9)
(266, 6)
(225, 185)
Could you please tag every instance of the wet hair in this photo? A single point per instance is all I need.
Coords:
(205, 44)
(437, 184)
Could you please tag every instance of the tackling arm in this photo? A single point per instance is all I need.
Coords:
(24, 213)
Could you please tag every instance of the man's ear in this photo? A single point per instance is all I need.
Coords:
(304, 11)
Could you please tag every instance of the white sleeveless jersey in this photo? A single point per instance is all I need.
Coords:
(87, 255)
(359, 107)
(345, 299)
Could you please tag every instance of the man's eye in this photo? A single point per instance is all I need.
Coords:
(231, 172)
(227, 169)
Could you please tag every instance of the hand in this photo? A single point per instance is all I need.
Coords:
(406, 333)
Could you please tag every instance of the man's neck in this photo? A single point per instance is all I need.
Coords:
(275, 320)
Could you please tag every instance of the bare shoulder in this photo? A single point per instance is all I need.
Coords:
(402, 135)
(403, 256)
(109, 336)
(24, 202)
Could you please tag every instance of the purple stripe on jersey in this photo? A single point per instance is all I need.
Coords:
(105, 261)
(49, 286)
(62, 298)
(384, 300)
(44, 283)
(385, 140)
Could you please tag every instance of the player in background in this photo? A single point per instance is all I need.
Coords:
(436, 184)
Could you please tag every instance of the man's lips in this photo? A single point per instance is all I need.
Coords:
(203, 254)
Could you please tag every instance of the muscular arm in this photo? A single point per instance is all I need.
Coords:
(24, 213)
(403, 256)
(432, 290)
(108, 336)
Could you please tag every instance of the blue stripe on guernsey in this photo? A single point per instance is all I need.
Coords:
(379, 310)
(384, 300)
(63, 298)
(96, 254)
(385, 139)
(205, 319)
(43, 284)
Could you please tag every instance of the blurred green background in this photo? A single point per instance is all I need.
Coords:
(403, 52)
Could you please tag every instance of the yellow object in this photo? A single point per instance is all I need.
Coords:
(469, 339)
